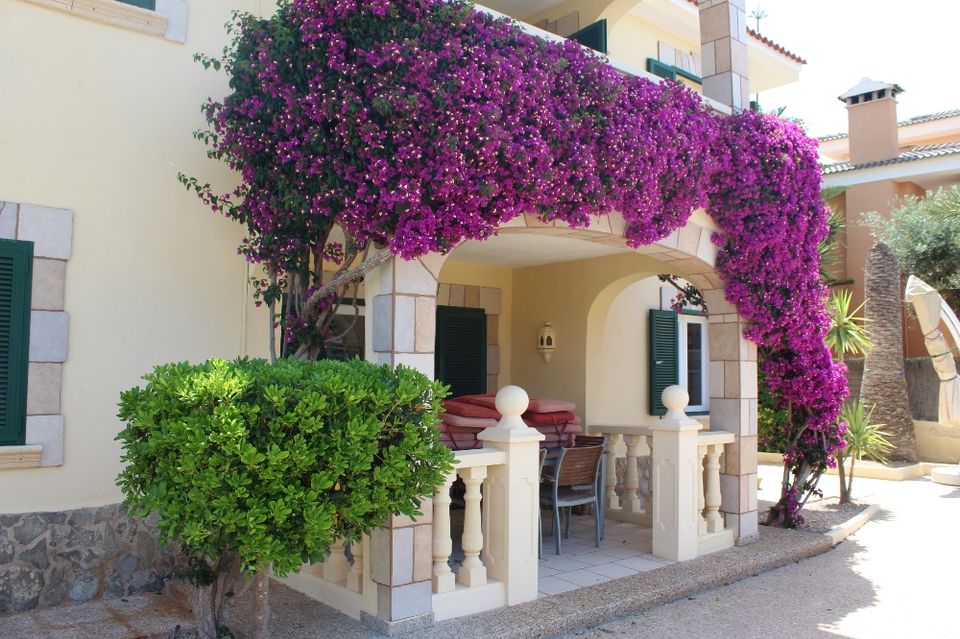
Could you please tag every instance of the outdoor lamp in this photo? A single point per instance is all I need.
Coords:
(547, 341)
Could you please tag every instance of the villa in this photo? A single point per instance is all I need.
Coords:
(115, 267)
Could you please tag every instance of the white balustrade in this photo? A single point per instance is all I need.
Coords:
(443, 577)
(500, 506)
(335, 566)
(335, 581)
(472, 468)
(711, 532)
(634, 444)
(355, 576)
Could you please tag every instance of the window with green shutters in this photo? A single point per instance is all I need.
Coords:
(679, 354)
(664, 364)
(461, 350)
(16, 267)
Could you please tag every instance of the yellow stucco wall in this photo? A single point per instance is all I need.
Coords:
(98, 119)
(621, 392)
(574, 297)
(455, 272)
(633, 40)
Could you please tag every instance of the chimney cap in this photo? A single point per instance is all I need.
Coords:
(866, 86)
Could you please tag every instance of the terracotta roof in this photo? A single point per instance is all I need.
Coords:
(921, 152)
(920, 119)
(776, 47)
(765, 40)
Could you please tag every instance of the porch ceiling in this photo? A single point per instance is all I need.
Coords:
(517, 250)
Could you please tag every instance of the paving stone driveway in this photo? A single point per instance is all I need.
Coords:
(898, 576)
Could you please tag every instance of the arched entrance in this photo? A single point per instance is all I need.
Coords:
(533, 273)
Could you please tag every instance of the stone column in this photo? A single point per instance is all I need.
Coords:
(401, 313)
(676, 473)
(401, 297)
(512, 499)
(723, 52)
(884, 388)
(733, 408)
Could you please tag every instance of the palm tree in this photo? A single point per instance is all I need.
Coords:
(883, 388)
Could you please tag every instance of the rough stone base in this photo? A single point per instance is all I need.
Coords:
(78, 555)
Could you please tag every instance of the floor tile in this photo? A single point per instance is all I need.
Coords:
(555, 585)
(613, 571)
(583, 577)
(559, 562)
(640, 564)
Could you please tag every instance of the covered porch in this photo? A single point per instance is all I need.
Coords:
(675, 486)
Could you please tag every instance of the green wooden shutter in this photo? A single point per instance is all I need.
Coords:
(593, 36)
(661, 69)
(150, 5)
(16, 268)
(461, 349)
(664, 365)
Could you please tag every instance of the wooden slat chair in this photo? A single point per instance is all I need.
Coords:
(574, 483)
(596, 440)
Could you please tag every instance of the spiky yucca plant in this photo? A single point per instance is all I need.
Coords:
(864, 439)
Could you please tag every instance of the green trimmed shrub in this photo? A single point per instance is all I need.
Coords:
(249, 464)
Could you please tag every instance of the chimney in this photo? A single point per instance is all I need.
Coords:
(872, 121)
(723, 52)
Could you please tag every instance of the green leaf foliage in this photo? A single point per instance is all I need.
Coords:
(273, 462)
(924, 234)
(864, 438)
(847, 334)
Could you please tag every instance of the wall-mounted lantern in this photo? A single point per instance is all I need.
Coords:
(547, 341)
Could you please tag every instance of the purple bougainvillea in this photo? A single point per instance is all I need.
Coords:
(417, 124)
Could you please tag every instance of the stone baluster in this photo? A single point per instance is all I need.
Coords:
(631, 499)
(355, 576)
(701, 520)
(335, 566)
(613, 501)
(443, 577)
(712, 488)
(472, 572)
(646, 482)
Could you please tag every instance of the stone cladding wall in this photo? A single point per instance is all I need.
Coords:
(73, 556)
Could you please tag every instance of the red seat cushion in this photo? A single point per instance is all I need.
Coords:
(469, 410)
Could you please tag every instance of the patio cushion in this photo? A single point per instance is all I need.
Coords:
(548, 419)
(459, 441)
(466, 409)
(547, 405)
(478, 423)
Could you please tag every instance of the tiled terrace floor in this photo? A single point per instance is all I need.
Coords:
(625, 550)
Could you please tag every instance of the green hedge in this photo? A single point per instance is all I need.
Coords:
(273, 462)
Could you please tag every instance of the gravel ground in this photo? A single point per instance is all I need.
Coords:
(822, 514)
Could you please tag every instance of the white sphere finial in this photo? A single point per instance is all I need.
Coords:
(512, 401)
(675, 398)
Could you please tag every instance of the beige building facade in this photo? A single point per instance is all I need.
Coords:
(130, 270)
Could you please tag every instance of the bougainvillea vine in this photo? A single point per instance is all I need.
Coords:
(416, 124)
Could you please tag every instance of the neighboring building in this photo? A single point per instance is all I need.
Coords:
(880, 161)
(130, 270)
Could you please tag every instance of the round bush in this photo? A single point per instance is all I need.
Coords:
(273, 462)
